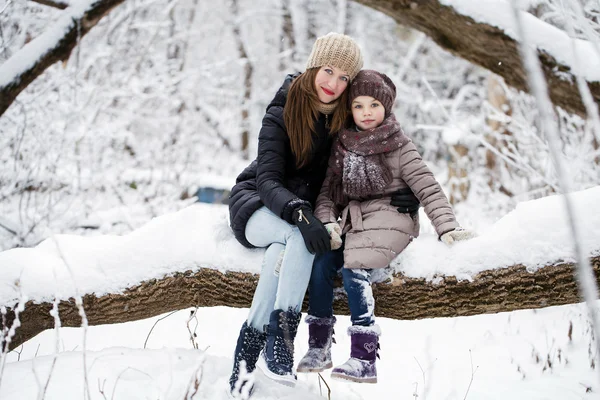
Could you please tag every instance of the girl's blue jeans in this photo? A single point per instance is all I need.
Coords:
(283, 289)
(357, 283)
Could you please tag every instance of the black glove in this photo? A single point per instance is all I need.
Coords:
(313, 231)
(406, 201)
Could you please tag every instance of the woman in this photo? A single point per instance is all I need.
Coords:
(271, 204)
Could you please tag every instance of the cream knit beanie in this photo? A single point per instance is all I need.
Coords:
(337, 50)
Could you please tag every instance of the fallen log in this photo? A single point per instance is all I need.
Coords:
(399, 297)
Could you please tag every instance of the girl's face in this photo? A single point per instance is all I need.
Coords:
(330, 83)
(367, 112)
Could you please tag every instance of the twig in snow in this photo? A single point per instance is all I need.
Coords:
(101, 388)
(19, 352)
(84, 320)
(423, 374)
(57, 324)
(196, 381)
(119, 377)
(472, 374)
(325, 382)
(7, 335)
(156, 322)
(193, 336)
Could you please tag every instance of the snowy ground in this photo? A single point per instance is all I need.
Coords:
(521, 355)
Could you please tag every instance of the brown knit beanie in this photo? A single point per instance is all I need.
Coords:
(375, 84)
(337, 50)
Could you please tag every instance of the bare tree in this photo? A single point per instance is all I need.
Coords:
(247, 85)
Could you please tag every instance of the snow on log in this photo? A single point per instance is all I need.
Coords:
(191, 259)
(484, 34)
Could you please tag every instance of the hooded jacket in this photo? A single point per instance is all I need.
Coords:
(273, 179)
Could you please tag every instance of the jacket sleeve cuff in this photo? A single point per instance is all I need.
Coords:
(449, 229)
(291, 205)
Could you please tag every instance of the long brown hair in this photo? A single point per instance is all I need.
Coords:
(300, 114)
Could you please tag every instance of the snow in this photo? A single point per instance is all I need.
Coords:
(529, 354)
(522, 355)
(535, 234)
(26, 57)
(541, 35)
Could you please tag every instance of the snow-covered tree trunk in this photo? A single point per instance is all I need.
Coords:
(496, 137)
(247, 85)
(485, 45)
(491, 291)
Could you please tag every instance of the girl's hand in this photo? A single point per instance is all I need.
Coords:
(335, 234)
(457, 235)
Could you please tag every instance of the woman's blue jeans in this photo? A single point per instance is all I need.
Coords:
(283, 289)
(357, 283)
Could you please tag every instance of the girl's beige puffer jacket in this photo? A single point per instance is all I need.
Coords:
(375, 231)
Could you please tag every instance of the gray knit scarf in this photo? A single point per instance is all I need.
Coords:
(359, 169)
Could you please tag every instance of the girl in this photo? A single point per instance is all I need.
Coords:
(368, 162)
(271, 204)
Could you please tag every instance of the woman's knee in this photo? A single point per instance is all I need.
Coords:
(264, 228)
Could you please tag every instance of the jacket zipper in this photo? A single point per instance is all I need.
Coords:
(301, 216)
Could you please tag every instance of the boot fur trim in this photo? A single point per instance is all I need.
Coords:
(371, 330)
(320, 321)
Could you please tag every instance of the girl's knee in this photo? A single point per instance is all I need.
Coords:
(325, 265)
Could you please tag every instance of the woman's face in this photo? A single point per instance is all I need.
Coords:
(330, 83)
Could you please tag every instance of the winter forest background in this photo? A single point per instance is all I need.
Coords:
(163, 98)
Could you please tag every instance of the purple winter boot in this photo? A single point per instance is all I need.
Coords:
(320, 336)
(363, 354)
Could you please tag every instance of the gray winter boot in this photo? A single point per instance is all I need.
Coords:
(363, 355)
(320, 336)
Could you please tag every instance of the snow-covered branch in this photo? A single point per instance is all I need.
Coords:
(60, 4)
(54, 45)
(484, 34)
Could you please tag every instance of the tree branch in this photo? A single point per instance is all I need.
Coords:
(52, 46)
(53, 3)
(485, 45)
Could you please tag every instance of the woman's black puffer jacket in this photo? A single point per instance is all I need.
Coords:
(273, 178)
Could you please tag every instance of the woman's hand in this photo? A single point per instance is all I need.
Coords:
(457, 235)
(406, 201)
(313, 232)
(335, 234)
